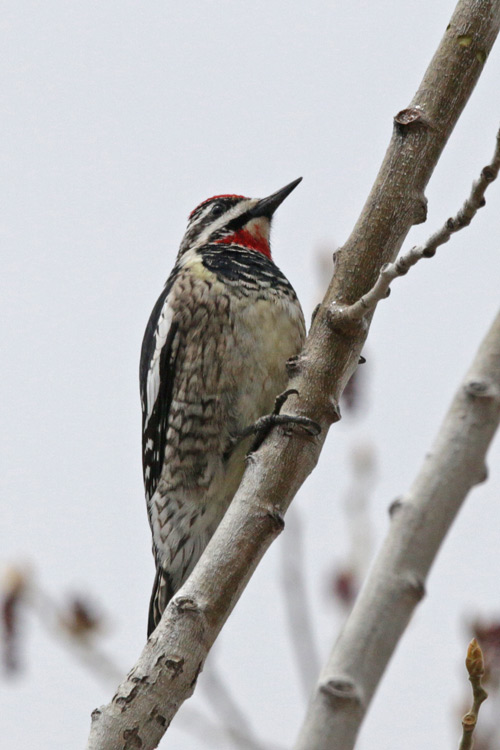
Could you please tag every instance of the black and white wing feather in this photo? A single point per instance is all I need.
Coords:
(157, 374)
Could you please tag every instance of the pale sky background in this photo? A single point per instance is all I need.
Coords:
(118, 118)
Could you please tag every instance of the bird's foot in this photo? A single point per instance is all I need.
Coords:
(263, 426)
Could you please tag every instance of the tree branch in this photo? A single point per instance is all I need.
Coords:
(213, 733)
(235, 723)
(166, 672)
(298, 606)
(402, 265)
(396, 582)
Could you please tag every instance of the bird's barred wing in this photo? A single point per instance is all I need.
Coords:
(157, 373)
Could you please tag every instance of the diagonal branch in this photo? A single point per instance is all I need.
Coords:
(166, 672)
(396, 582)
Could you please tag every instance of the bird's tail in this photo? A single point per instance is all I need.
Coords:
(160, 597)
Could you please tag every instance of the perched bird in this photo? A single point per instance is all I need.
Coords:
(213, 361)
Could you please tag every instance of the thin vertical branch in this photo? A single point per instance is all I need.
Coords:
(475, 667)
(297, 602)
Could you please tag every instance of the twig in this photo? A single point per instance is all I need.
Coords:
(297, 603)
(196, 723)
(79, 641)
(75, 627)
(356, 502)
(235, 724)
(475, 667)
(391, 271)
(12, 592)
(347, 579)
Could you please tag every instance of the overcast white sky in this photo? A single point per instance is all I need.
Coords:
(118, 118)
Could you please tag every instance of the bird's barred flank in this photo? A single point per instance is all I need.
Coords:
(213, 361)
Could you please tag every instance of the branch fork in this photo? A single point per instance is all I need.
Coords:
(339, 315)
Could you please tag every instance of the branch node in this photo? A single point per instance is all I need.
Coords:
(402, 266)
(482, 475)
(294, 365)
(154, 714)
(488, 173)
(186, 604)
(341, 687)
(429, 252)
(420, 209)
(464, 40)
(385, 269)
(333, 410)
(410, 117)
(395, 506)
(175, 664)
(346, 320)
(123, 700)
(414, 586)
(481, 389)
(277, 520)
(132, 739)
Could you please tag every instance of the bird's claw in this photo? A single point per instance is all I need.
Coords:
(263, 426)
(280, 400)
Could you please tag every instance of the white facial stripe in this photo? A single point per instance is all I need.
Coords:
(206, 210)
(259, 227)
(226, 217)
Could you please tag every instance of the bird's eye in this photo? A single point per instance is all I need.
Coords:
(217, 209)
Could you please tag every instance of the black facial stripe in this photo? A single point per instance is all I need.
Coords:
(239, 221)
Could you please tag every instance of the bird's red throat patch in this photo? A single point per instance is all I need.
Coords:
(256, 240)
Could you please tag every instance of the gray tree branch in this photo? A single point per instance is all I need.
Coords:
(396, 582)
(166, 672)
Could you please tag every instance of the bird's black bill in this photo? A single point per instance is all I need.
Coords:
(267, 206)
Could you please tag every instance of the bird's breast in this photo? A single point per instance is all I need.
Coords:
(269, 331)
